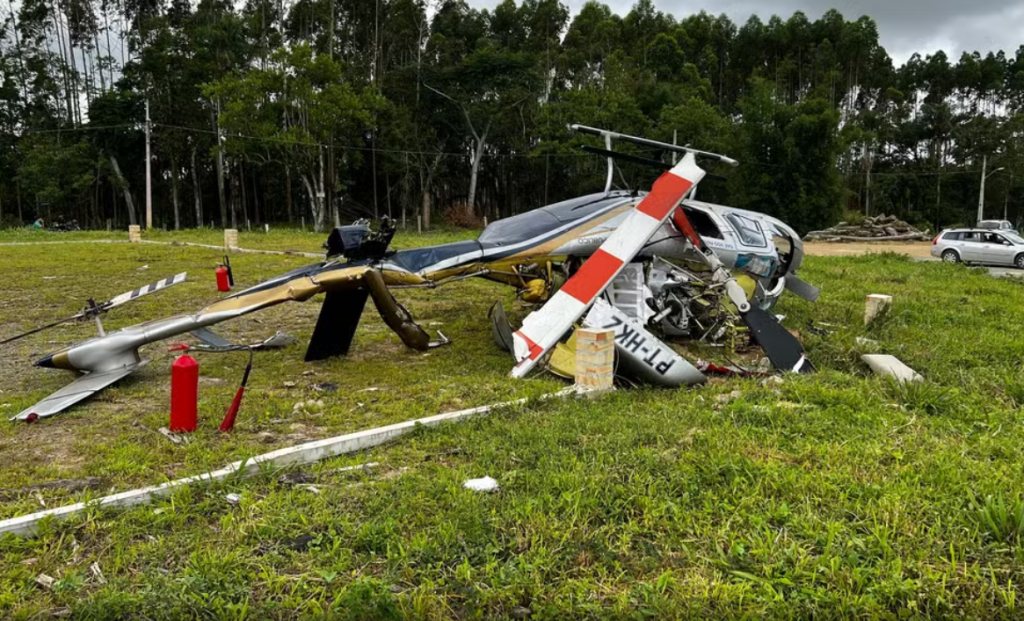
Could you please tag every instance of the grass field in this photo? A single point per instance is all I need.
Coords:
(837, 495)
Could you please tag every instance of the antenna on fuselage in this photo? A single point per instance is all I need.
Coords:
(611, 163)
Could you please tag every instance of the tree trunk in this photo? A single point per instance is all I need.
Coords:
(97, 215)
(132, 219)
(255, 199)
(174, 193)
(233, 199)
(288, 194)
(245, 193)
(478, 154)
(425, 208)
(316, 205)
(219, 163)
(221, 193)
(197, 191)
(321, 196)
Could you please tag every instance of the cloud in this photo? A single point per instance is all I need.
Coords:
(904, 26)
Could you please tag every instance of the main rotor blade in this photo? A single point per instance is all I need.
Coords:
(141, 291)
(40, 329)
(544, 327)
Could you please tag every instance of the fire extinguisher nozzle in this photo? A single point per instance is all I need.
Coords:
(229, 418)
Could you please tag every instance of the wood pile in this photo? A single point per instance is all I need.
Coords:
(878, 228)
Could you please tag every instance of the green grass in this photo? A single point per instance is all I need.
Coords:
(279, 238)
(836, 495)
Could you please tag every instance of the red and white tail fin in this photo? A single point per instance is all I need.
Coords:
(544, 327)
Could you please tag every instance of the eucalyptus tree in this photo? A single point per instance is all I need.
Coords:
(290, 111)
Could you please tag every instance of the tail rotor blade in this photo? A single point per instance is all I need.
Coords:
(783, 349)
(141, 291)
(95, 309)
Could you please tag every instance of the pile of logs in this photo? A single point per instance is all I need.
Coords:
(878, 228)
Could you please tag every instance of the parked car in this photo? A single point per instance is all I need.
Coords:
(996, 225)
(982, 246)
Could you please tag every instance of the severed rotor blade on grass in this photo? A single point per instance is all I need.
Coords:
(95, 309)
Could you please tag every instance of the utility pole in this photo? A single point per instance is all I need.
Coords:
(1006, 201)
(866, 158)
(149, 177)
(981, 192)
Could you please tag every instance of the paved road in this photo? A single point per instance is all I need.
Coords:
(919, 251)
(1008, 272)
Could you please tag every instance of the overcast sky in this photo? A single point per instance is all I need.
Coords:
(904, 26)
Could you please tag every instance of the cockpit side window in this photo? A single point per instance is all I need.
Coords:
(749, 230)
(702, 223)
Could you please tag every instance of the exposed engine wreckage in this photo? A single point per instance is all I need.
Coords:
(651, 266)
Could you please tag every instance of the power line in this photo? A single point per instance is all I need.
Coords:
(305, 143)
(78, 129)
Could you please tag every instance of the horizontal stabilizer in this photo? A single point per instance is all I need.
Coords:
(211, 338)
(82, 388)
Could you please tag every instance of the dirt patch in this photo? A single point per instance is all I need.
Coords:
(826, 249)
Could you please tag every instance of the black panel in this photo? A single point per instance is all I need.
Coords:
(782, 348)
(419, 258)
(336, 325)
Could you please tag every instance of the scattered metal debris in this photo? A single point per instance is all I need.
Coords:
(45, 581)
(728, 397)
(97, 573)
(165, 432)
(233, 499)
(312, 405)
(485, 484)
(891, 366)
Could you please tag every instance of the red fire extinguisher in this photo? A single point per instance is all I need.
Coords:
(184, 393)
(225, 279)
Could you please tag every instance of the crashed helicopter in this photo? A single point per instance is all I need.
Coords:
(650, 265)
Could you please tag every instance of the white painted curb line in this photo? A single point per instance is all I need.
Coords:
(25, 526)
